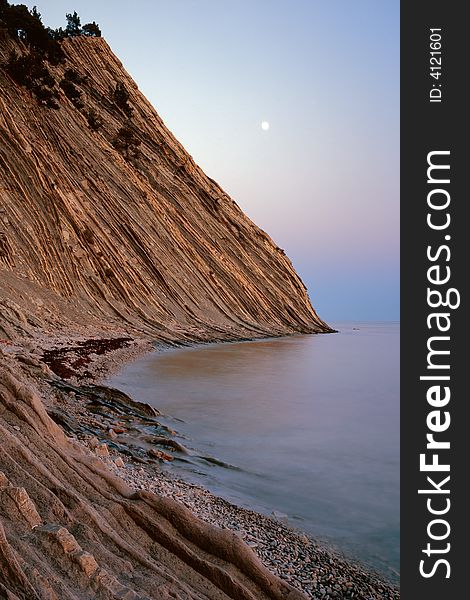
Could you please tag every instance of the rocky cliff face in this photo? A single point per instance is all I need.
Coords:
(126, 232)
(108, 227)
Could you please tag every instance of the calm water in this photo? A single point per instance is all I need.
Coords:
(311, 424)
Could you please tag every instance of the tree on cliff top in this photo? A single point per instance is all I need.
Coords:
(91, 30)
(23, 24)
(74, 27)
(27, 26)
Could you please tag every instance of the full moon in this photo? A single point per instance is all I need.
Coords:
(264, 125)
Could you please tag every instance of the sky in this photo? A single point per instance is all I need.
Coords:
(323, 180)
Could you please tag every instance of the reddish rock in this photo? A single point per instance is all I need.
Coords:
(102, 450)
(159, 454)
(3, 480)
(15, 501)
(118, 429)
(86, 562)
(60, 536)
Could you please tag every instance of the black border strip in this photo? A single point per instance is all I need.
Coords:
(426, 127)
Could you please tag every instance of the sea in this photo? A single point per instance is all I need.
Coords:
(305, 427)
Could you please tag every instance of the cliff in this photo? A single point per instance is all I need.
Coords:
(126, 233)
(108, 227)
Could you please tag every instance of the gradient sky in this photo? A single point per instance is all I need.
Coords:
(323, 181)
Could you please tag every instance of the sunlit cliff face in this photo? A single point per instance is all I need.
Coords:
(114, 223)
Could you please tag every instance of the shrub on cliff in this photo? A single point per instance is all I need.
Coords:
(127, 142)
(45, 96)
(31, 72)
(94, 122)
(121, 98)
(72, 92)
(70, 84)
(74, 76)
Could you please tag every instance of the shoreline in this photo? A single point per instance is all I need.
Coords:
(306, 564)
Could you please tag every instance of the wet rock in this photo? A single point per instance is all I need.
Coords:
(67, 421)
(118, 430)
(163, 441)
(159, 454)
(279, 515)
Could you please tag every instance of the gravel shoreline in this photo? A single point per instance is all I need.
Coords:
(319, 572)
(308, 566)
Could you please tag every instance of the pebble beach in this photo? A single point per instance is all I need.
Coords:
(319, 572)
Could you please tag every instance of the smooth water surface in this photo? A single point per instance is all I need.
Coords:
(311, 424)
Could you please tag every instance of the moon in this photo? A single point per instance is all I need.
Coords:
(264, 125)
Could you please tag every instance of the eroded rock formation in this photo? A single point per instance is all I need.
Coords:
(126, 231)
(69, 529)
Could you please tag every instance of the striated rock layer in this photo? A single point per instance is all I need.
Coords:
(137, 238)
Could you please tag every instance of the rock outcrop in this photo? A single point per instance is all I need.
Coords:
(118, 227)
(70, 529)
